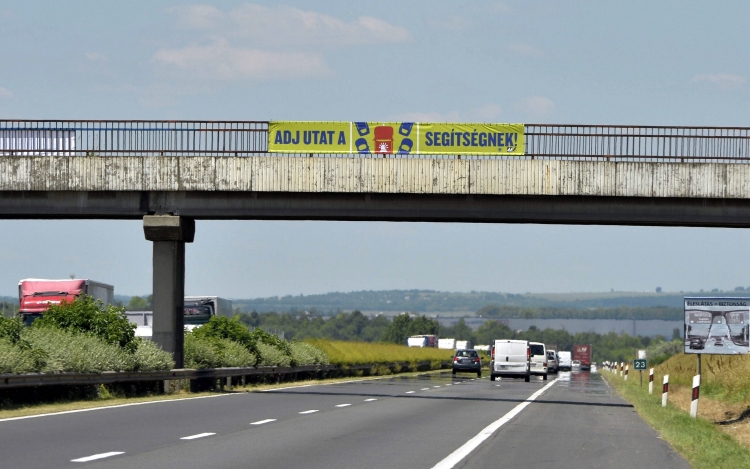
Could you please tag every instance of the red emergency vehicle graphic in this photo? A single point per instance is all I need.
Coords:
(383, 139)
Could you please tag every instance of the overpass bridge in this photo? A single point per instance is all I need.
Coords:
(170, 173)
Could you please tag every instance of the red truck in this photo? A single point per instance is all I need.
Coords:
(582, 354)
(35, 295)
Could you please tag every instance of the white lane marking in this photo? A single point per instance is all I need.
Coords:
(261, 422)
(308, 412)
(199, 435)
(425, 389)
(458, 455)
(370, 400)
(449, 384)
(410, 392)
(97, 456)
(322, 384)
(113, 407)
(436, 386)
(343, 405)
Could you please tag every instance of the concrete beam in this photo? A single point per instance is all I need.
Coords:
(570, 210)
(169, 234)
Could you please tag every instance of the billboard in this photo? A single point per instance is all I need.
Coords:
(396, 138)
(717, 325)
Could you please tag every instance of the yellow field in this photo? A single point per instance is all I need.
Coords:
(358, 353)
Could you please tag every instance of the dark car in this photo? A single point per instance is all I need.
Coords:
(697, 343)
(467, 360)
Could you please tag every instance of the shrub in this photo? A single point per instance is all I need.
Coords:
(150, 357)
(272, 356)
(10, 329)
(306, 354)
(14, 359)
(213, 352)
(221, 327)
(77, 352)
(90, 316)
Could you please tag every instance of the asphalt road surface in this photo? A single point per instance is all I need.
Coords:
(429, 421)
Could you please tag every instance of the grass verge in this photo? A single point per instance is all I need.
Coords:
(360, 353)
(699, 441)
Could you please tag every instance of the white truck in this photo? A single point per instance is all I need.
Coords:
(198, 310)
(510, 358)
(447, 344)
(564, 361)
(463, 344)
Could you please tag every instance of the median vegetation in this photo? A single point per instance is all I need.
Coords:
(361, 353)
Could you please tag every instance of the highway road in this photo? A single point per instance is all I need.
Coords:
(427, 421)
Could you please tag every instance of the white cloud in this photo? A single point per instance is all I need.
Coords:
(198, 16)
(287, 25)
(525, 50)
(220, 60)
(536, 106)
(5, 93)
(724, 80)
(95, 56)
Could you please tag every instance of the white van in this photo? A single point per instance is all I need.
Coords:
(538, 363)
(510, 358)
(564, 361)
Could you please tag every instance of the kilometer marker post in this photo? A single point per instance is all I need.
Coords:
(696, 393)
(651, 381)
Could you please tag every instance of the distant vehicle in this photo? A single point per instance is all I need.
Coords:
(564, 361)
(427, 340)
(576, 365)
(199, 309)
(582, 353)
(697, 343)
(467, 360)
(538, 364)
(552, 361)
(36, 295)
(464, 345)
(447, 344)
(510, 358)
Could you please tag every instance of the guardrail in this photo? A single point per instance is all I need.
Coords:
(8, 381)
(250, 138)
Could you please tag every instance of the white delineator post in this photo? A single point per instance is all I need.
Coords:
(651, 381)
(627, 367)
(620, 368)
(665, 391)
(696, 392)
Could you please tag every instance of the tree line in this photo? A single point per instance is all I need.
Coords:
(355, 326)
(621, 312)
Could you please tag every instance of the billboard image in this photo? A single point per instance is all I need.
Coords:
(717, 325)
(396, 138)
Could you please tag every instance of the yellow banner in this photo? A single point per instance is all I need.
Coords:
(399, 138)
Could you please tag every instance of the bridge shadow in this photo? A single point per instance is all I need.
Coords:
(451, 398)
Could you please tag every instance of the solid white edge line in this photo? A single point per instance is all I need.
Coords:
(199, 435)
(343, 405)
(458, 455)
(97, 456)
(308, 411)
(114, 407)
(261, 422)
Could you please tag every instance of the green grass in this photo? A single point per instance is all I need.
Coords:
(699, 441)
(361, 353)
(723, 377)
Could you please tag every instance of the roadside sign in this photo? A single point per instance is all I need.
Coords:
(640, 364)
(641, 354)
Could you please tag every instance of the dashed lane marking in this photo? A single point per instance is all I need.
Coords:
(261, 422)
(457, 456)
(98, 456)
(308, 411)
(343, 405)
(199, 435)
(410, 392)
(370, 400)
(425, 389)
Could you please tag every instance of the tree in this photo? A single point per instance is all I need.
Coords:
(676, 335)
(138, 303)
(658, 289)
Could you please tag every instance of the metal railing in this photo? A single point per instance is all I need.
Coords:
(250, 138)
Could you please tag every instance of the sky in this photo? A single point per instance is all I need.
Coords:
(557, 62)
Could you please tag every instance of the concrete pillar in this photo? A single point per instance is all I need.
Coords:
(169, 234)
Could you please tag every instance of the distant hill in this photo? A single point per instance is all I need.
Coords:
(460, 303)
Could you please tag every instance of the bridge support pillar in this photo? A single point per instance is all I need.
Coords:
(169, 234)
